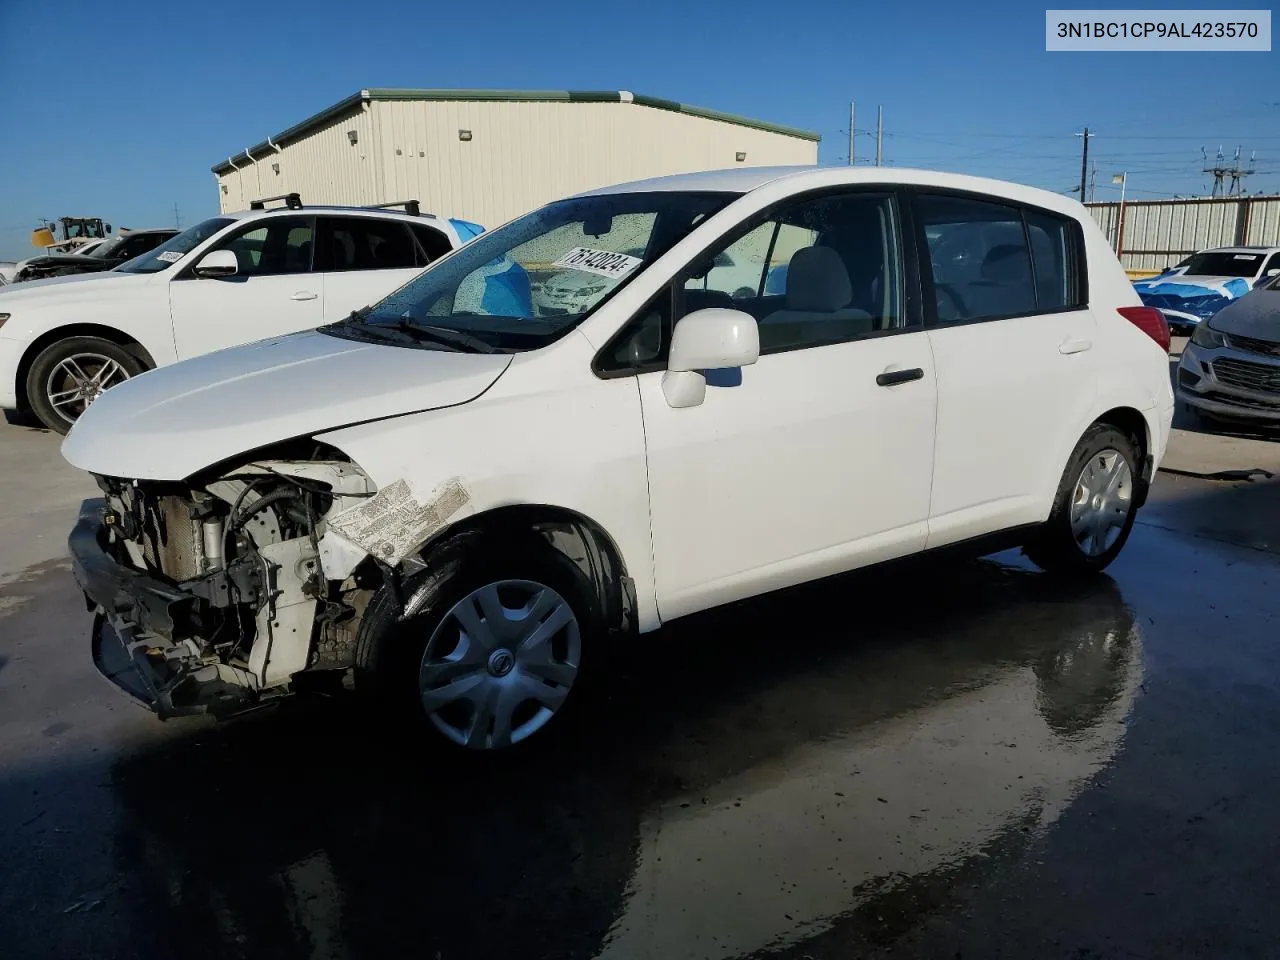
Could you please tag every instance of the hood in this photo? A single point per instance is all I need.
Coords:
(1200, 297)
(1256, 316)
(173, 421)
(1181, 285)
(67, 260)
(66, 286)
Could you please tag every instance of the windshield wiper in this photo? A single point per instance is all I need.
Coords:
(445, 335)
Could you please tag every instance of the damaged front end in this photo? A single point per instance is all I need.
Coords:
(213, 595)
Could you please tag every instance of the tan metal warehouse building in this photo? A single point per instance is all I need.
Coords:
(489, 155)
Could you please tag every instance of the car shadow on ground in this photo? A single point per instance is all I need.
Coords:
(20, 418)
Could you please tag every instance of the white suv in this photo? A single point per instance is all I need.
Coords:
(235, 278)
(453, 499)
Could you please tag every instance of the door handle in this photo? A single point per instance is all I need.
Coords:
(891, 377)
(304, 295)
(1071, 345)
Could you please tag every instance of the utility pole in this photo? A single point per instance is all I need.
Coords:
(880, 137)
(177, 220)
(1123, 180)
(851, 106)
(1084, 162)
(1093, 182)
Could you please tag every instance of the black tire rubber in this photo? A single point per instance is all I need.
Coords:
(1054, 548)
(54, 354)
(389, 651)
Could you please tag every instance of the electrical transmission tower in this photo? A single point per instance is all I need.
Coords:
(1223, 173)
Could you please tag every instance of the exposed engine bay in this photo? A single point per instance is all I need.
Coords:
(221, 590)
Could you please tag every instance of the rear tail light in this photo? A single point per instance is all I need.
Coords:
(1151, 322)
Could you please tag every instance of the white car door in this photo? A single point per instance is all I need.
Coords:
(1013, 339)
(817, 458)
(274, 291)
(365, 258)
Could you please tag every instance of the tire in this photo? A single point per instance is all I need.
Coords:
(53, 372)
(427, 669)
(1061, 546)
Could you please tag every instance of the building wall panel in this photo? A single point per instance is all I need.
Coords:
(523, 154)
(323, 166)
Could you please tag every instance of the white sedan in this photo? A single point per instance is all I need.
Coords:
(456, 504)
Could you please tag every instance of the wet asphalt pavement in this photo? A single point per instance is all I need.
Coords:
(939, 760)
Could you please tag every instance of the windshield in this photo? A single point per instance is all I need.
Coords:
(1223, 265)
(104, 249)
(525, 284)
(175, 248)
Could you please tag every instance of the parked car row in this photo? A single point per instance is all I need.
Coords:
(451, 491)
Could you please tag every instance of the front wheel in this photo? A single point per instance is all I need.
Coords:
(1094, 508)
(489, 646)
(69, 375)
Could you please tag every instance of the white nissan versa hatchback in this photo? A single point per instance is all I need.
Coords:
(453, 498)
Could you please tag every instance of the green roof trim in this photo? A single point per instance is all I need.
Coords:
(706, 114)
(353, 103)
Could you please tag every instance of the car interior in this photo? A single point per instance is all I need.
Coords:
(842, 285)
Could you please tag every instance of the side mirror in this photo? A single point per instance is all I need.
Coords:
(711, 339)
(217, 263)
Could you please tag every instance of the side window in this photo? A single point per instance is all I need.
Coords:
(364, 243)
(1272, 264)
(818, 271)
(1053, 261)
(739, 269)
(278, 246)
(433, 243)
(983, 268)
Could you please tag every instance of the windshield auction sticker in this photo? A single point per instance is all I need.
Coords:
(603, 263)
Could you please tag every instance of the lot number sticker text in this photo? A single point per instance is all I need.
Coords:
(604, 263)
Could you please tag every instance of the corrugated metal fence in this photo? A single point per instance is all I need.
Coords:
(1153, 234)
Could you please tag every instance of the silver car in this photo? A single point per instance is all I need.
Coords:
(1231, 367)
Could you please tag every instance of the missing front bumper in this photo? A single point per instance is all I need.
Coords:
(134, 627)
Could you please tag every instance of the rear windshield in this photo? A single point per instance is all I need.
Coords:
(175, 248)
(1223, 265)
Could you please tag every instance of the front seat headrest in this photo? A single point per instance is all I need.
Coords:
(817, 281)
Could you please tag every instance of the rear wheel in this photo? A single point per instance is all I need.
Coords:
(69, 375)
(489, 648)
(1093, 510)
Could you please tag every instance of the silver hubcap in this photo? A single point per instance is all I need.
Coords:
(500, 664)
(1103, 499)
(79, 380)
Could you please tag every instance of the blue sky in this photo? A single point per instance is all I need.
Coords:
(119, 109)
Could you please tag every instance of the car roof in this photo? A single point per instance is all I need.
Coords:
(743, 180)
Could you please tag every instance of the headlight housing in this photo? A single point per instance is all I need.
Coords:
(1207, 337)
